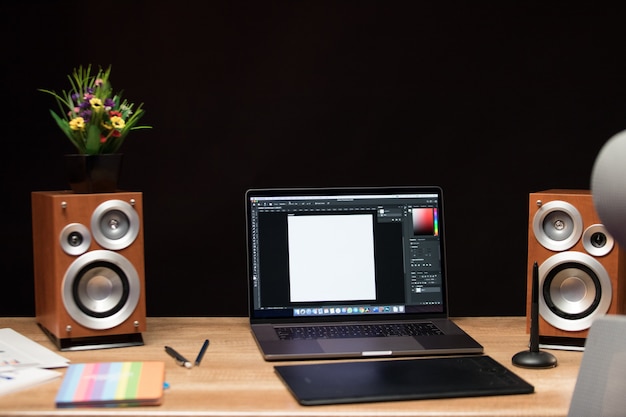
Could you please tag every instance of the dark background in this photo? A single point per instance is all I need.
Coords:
(491, 101)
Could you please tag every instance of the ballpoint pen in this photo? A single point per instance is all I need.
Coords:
(180, 359)
(205, 345)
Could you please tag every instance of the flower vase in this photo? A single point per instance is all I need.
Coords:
(93, 173)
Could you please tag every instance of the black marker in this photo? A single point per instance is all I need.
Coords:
(205, 345)
(180, 359)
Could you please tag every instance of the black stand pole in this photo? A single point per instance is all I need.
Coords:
(534, 358)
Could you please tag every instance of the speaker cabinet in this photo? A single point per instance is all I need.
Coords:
(582, 272)
(89, 268)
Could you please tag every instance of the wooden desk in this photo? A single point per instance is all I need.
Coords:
(233, 379)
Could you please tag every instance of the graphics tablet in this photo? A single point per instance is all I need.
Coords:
(400, 379)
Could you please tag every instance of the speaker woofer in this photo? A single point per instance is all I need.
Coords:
(557, 225)
(75, 239)
(100, 289)
(115, 224)
(597, 241)
(575, 289)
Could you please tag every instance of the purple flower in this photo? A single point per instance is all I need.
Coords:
(86, 114)
(108, 102)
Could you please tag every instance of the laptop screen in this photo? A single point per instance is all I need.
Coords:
(364, 253)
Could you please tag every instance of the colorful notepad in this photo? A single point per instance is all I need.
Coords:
(106, 384)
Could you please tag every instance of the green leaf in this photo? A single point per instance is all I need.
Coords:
(71, 135)
(92, 146)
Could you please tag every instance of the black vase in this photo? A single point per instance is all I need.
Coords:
(93, 173)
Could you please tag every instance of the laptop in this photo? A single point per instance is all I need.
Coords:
(349, 273)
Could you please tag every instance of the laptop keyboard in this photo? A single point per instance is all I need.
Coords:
(357, 330)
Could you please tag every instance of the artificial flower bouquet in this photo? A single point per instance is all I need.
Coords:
(95, 119)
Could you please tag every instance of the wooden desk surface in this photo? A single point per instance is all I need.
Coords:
(233, 379)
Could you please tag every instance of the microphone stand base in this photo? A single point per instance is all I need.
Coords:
(530, 359)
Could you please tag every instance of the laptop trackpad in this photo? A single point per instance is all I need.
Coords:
(371, 345)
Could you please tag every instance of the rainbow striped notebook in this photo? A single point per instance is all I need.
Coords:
(106, 384)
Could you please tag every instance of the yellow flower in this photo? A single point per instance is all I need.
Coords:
(96, 103)
(77, 123)
(118, 122)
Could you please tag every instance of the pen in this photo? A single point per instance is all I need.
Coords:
(180, 359)
(201, 353)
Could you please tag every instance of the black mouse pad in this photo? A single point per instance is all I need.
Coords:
(400, 379)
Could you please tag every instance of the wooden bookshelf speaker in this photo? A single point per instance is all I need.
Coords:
(582, 270)
(89, 268)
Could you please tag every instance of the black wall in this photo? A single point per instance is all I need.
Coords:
(490, 102)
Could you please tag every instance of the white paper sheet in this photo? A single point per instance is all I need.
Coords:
(17, 350)
(15, 379)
